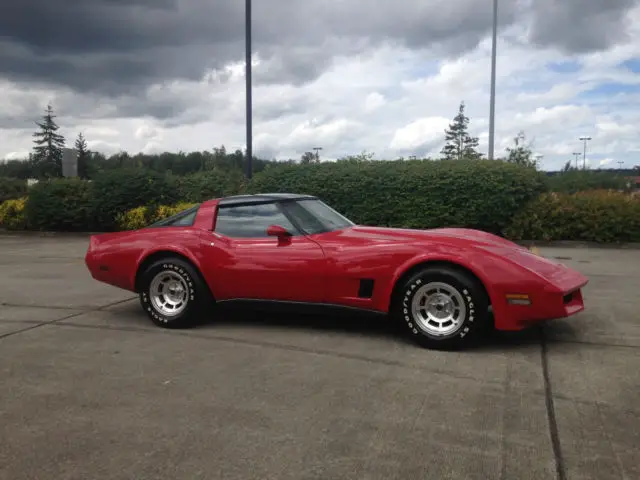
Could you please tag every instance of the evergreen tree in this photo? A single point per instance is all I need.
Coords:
(48, 145)
(459, 144)
(521, 152)
(83, 154)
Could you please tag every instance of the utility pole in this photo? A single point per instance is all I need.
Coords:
(576, 155)
(492, 101)
(317, 149)
(247, 66)
(584, 155)
(538, 160)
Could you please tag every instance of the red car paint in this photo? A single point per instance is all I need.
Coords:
(327, 268)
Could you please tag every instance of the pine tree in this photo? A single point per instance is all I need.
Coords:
(83, 154)
(460, 145)
(521, 153)
(48, 145)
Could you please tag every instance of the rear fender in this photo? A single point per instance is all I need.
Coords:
(158, 251)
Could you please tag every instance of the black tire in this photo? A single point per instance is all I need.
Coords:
(195, 292)
(470, 301)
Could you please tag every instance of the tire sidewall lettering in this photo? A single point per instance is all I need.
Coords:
(191, 293)
(467, 298)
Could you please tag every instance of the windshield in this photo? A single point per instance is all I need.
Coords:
(314, 216)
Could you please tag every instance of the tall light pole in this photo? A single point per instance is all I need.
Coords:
(247, 78)
(576, 155)
(584, 155)
(620, 162)
(317, 149)
(492, 105)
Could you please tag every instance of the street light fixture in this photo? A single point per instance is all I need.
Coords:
(317, 149)
(576, 155)
(584, 155)
(492, 101)
(247, 77)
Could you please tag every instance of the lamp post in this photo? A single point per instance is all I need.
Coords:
(584, 155)
(317, 149)
(247, 77)
(576, 155)
(492, 101)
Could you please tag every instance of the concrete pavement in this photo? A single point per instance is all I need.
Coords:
(91, 389)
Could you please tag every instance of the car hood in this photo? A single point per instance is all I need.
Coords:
(462, 237)
(556, 273)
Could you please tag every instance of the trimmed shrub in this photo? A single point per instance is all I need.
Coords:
(575, 181)
(215, 183)
(115, 192)
(412, 194)
(12, 188)
(596, 216)
(141, 217)
(12, 215)
(59, 205)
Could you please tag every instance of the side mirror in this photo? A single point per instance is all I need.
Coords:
(277, 231)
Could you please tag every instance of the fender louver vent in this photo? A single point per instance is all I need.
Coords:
(366, 288)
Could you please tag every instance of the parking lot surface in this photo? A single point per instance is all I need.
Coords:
(90, 389)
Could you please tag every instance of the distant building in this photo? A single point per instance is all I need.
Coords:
(69, 162)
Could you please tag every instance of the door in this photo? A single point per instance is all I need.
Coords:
(243, 262)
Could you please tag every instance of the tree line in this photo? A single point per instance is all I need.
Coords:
(45, 160)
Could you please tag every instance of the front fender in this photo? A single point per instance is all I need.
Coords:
(442, 255)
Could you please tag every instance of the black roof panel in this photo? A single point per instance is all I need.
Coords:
(261, 198)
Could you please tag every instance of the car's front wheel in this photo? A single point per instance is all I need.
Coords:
(442, 307)
(173, 294)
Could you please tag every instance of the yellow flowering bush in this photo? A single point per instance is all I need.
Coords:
(141, 217)
(12, 215)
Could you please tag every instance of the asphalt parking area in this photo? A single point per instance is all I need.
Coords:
(92, 390)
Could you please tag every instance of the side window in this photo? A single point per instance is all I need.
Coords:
(184, 218)
(251, 221)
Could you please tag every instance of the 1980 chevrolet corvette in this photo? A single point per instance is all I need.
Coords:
(294, 250)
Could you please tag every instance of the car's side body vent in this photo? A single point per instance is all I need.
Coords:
(366, 288)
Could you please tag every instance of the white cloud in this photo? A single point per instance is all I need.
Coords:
(390, 100)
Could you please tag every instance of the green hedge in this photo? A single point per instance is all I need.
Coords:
(60, 204)
(202, 186)
(117, 191)
(596, 216)
(413, 194)
(12, 188)
(575, 181)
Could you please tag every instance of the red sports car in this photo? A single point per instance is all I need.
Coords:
(294, 250)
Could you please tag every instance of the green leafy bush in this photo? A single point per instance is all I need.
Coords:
(209, 184)
(12, 188)
(12, 214)
(415, 194)
(584, 180)
(59, 204)
(140, 217)
(596, 216)
(114, 192)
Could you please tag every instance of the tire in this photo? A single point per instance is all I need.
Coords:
(457, 308)
(185, 305)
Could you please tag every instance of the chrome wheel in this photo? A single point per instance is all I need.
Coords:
(169, 293)
(438, 309)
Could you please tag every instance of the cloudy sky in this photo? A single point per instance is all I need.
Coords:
(345, 75)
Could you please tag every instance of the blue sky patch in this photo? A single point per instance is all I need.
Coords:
(632, 64)
(609, 89)
(568, 66)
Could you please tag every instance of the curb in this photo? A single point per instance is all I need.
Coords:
(577, 244)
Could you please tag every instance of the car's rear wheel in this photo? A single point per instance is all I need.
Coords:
(442, 307)
(173, 294)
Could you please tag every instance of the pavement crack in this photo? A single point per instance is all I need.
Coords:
(561, 473)
(57, 320)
